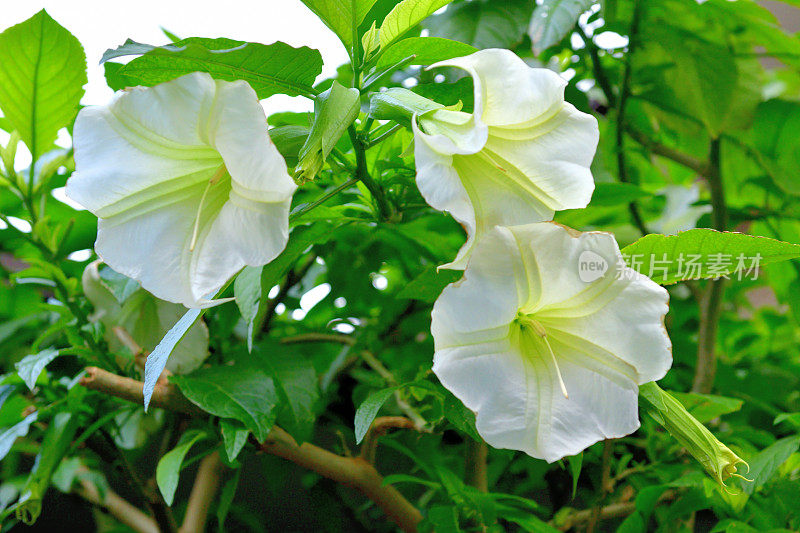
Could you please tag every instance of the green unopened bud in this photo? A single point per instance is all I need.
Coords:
(334, 111)
(717, 459)
(400, 105)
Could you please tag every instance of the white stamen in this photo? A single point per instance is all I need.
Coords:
(196, 228)
(543, 334)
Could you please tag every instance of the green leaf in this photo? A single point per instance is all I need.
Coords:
(132, 48)
(766, 462)
(121, 286)
(32, 365)
(430, 284)
(575, 463)
(247, 293)
(276, 68)
(297, 385)
(610, 194)
(483, 24)
(552, 20)
(426, 51)
(234, 437)
(368, 409)
(457, 414)
(226, 498)
(334, 111)
(42, 74)
(405, 16)
(705, 80)
(443, 518)
(776, 135)
(169, 467)
(20, 429)
(243, 391)
(706, 407)
(157, 359)
(341, 16)
(704, 253)
(57, 440)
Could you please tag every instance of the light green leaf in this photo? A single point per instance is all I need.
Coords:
(276, 68)
(243, 391)
(334, 111)
(341, 16)
(368, 409)
(20, 429)
(234, 437)
(157, 359)
(695, 254)
(426, 51)
(552, 20)
(169, 467)
(766, 462)
(247, 292)
(42, 74)
(405, 16)
(32, 365)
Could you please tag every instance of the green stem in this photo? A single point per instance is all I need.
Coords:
(624, 93)
(322, 199)
(711, 305)
(388, 133)
(384, 208)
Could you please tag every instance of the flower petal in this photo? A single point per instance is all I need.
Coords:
(486, 297)
(519, 405)
(507, 90)
(237, 128)
(244, 233)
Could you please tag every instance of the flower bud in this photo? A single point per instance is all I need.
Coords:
(718, 460)
(400, 105)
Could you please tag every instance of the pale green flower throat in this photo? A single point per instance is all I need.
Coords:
(218, 176)
(531, 337)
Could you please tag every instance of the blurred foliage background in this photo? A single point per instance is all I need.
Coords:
(699, 112)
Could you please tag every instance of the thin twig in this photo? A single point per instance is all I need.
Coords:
(351, 471)
(686, 160)
(204, 491)
(475, 465)
(118, 507)
(380, 426)
(624, 93)
(711, 305)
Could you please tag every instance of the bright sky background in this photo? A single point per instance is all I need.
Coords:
(99, 25)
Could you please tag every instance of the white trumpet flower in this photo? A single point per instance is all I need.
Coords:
(547, 338)
(521, 155)
(186, 183)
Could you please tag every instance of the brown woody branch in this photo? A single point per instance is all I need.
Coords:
(609, 512)
(118, 507)
(354, 472)
(206, 485)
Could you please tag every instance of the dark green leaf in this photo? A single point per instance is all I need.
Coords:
(766, 462)
(234, 437)
(706, 407)
(609, 194)
(226, 498)
(429, 285)
(276, 68)
(121, 286)
(368, 410)
(552, 20)
(776, 135)
(247, 292)
(483, 24)
(243, 391)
